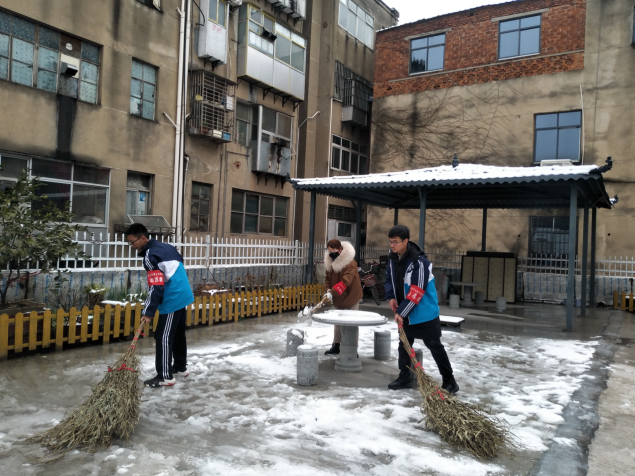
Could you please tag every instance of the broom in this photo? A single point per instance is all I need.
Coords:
(309, 311)
(112, 411)
(462, 425)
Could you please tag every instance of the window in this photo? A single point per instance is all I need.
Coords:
(35, 56)
(142, 90)
(290, 48)
(246, 123)
(351, 88)
(138, 194)
(519, 37)
(426, 54)
(349, 156)
(262, 214)
(218, 12)
(261, 30)
(84, 186)
(557, 136)
(357, 22)
(274, 124)
(200, 207)
(549, 235)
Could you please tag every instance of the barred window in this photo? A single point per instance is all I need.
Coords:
(351, 88)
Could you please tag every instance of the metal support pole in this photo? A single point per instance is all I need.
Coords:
(585, 251)
(309, 265)
(396, 217)
(573, 210)
(592, 278)
(358, 232)
(422, 216)
(484, 231)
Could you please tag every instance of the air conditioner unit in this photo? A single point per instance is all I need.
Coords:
(268, 35)
(556, 163)
(216, 134)
(235, 3)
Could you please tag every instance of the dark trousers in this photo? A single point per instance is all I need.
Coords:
(170, 337)
(430, 333)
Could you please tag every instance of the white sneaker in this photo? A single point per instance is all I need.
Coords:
(181, 373)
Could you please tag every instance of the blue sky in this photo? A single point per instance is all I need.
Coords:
(413, 10)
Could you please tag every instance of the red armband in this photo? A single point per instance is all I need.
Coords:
(340, 287)
(415, 294)
(155, 278)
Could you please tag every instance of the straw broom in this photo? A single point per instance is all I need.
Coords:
(462, 425)
(111, 412)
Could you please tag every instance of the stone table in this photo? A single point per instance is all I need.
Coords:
(349, 322)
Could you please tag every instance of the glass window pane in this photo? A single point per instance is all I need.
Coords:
(281, 207)
(569, 119)
(369, 36)
(193, 221)
(345, 159)
(352, 22)
(135, 88)
(135, 106)
(137, 70)
(243, 111)
(251, 223)
(138, 181)
(337, 140)
(352, 5)
(282, 30)
(4, 68)
(530, 21)
(130, 201)
(530, 41)
(346, 143)
(298, 39)
(88, 92)
(94, 175)
(241, 132)
(509, 25)
(363, 149)
(419, 43)
(436, 40)
(508, 44)
(284, 126)
(283, 49)
(49, 38)
(297, 57)
(252, 204)
(546, 120)
(237, 201)
(21, 73)
(23, 29)
(59, 194)
(148, 92)
(343, 15)
(335, 159)
(256, 15)
(89, 72)
(345, 230)
(89, 204)
(4, 46)
(22, 51)
(47, 81)
(148, 110)
(47, 59)
(268, 23)
(205, 191)
(266, 206)
(363, 165)
(354, 160)
(195, 191)
(5, 22)
(280, 227)
(266, 225)
(68, 86)
(149, 74)
(14, 167)
(203, 208)
(222, 14)
(418, 60)
(355, 146)
(569, 144)
(546, 143)
(213, 10)
(236, 223)
(90, 53)
(268, 120)
(435, 58)
(51, 169)
(361, 27)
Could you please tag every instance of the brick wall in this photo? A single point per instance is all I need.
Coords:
(471, 47)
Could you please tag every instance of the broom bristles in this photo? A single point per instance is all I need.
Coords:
(111, 411)
(460, 424)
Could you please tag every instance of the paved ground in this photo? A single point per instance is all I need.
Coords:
(568, 396)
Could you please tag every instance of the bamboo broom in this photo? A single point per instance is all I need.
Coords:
(112, 411)
(462, 425)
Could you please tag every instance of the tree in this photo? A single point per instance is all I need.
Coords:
(33, 231)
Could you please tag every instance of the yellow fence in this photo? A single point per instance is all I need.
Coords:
(619, 301)
(33, 331)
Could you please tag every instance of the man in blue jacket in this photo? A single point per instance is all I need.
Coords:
(413, 298)
(169, 291)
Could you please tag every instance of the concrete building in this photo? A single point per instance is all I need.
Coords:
(519, 83)
(95, 95)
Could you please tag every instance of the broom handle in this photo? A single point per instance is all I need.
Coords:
(138, 333)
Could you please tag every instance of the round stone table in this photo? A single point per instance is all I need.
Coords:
(349, 322)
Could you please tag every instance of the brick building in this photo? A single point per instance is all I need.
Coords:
(517, 83)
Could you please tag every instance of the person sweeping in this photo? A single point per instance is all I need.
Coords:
(169, 291)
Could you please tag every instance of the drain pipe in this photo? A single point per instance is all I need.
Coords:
(179, 115)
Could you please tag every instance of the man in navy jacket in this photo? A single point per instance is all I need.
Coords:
(413, 298)
(169, 291)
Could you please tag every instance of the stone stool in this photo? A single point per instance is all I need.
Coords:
(382, 345)
(413, 375)
(307, 365)
(479, 297)
(295, 337)
(455, 300)
(501, 303)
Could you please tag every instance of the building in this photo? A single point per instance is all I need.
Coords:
(187, 116)
(519, 83)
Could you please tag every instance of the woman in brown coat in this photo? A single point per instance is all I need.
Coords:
(343, 282)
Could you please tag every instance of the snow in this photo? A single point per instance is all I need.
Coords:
(240, 411)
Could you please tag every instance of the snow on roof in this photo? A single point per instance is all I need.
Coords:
(463, 173)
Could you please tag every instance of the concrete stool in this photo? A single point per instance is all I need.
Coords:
(307, 365)
(295, 337)
(479, 297)
(455, 300)
(501, 303)
(382, 345)
(413, 375)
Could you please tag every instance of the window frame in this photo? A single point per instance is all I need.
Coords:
(209, 186)
(368, 21)
(148, 191)
(558, 129)
(519, 19)
(351, 151)
(215, 20)
(144, 65)
(427, 48)
(259, 215)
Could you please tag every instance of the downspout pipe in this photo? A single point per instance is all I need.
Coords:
(179, 114)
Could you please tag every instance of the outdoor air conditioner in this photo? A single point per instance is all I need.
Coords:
(557, 163)
(268, 35)
(235, 3)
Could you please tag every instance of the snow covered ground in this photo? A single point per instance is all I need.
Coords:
(240, 412)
